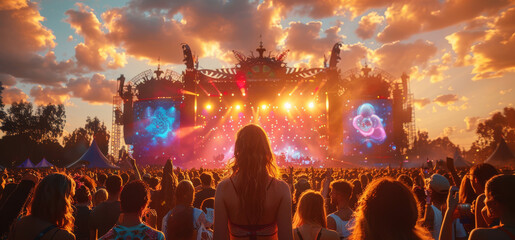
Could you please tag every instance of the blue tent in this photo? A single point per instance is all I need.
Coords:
(44, 164)
(92, 158)
(26, 164)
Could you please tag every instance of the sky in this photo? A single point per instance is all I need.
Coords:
(458, 53)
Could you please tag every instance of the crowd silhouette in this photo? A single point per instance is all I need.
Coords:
(255, 199)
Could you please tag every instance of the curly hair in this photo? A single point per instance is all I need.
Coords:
(52, 200)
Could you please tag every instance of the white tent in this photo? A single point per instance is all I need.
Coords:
(44, 164)
(92, 158)
(459, 161)
(502, 156)
(26, 164)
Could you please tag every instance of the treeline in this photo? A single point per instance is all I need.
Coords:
(489, 132)
(38, 132)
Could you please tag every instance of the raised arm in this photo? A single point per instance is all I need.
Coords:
(452, 203)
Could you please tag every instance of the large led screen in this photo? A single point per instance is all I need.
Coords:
(155, 130)
(368, 128)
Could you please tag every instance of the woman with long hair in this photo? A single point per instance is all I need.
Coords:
(50, 214)
(253, 203)
(387, 210)
(310, 218)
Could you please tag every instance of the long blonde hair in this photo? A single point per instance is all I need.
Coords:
(52, 200)
(253, 163)
(388, 210)
(310, 209)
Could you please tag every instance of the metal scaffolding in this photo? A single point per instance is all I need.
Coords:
(116, 132)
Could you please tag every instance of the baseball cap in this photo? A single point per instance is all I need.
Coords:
(439, 183)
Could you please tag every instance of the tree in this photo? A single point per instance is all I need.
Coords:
(46, 124)
(30, 133)
(98, 131)
(77, 142)
(2, 112)
(489, 134)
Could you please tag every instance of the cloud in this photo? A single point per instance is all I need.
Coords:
(421, 103)
(352, 55)
(448, 131)
(23, 39)
(494, 55)
(444, 100)
(96, 52)
(406, 18)
(152, 29)
(7, 80)
(462, 42)
(435, 73)
(305, 42)
(314, 9)
(368, 25)
(52, 95)
(471, 123)
(398, 57)
(96, 89)
(13, 94)
(503, 92)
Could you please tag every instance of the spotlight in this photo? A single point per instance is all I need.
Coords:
(263, 106)
(311, 105)
(208, 106)
(287, 105)
(238, 107)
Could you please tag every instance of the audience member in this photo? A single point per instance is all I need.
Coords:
(134, 200)
(387, 210)
(253, 202)
(106, 214)
(310, 218)
(50, 214)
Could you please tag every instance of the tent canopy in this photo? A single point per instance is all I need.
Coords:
(92, 158)
(502, 156)
(26, 164)
(44, 164)
(459, 162)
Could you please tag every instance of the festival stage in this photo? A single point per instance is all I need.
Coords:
(316, 117)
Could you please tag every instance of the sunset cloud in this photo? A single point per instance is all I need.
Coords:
(96, 89)
(49, 95)
(368, 25)
(444, 100)
(421, 103)
(13, 94)
(401, 57)
(406, 18)
(304, 41)
(149, 30)
(352, 56)
(96, 52)
(471, 123)
(23, 39)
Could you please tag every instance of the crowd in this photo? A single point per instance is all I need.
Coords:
(254, 199)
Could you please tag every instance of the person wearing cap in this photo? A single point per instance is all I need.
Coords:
(437, 190)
